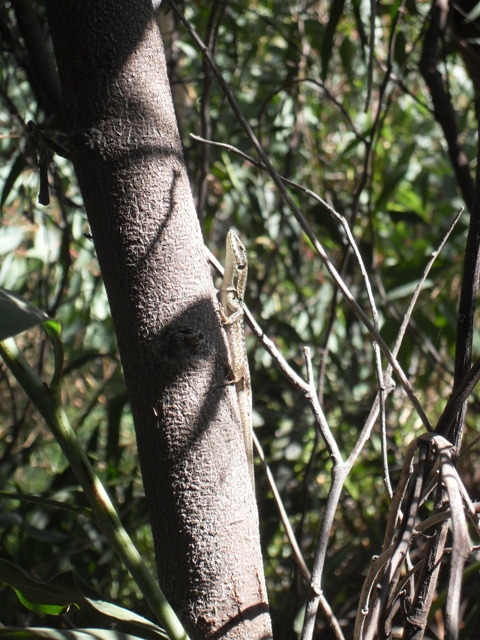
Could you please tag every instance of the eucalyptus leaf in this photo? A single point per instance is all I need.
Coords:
(17, 314)
(473, 14)
(17, 167)
(33, 633)
(10, 239)
(128, 618)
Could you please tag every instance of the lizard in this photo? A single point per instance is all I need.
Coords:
(231, 294)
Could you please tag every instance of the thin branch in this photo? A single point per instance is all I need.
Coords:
(342, 220)
(217, 8)
(421, 282)
(390, 578)
(283, 366)
(416, 613)
(317, 82)
(344, 223)
(451, 429)
(461, 543)
(334, 624)
(371, 53)
(353, 304)
(438, 452)
(341, 469)
(382, 395)
(338, 475)
(321, 420)
(297, 554)
(338, 470)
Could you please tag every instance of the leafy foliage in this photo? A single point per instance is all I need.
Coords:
(351, 123)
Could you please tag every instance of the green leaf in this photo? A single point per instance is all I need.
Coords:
(65, 591)
(125, 620)
(347, 55)
(10, 239)
(15, 171)
(400, 49)
(473, 14)
(50, 609)
(104, 511)
(17, 314)
(37, 594)
(393, 177)
(410, 217)
(33, 633)
(336, 10)
(147, 629)
(407, 289)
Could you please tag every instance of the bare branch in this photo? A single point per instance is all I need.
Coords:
(332, 620)
(353, 304)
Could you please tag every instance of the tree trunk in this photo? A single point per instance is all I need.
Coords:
(128, 158)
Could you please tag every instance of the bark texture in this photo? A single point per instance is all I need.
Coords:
(128, 158)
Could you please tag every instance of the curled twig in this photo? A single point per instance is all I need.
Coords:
(374, 614)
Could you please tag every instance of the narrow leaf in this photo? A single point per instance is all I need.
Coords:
(59, 592)
(125, 617)
(17, 314)
(15, 171)
(50, 609)
(336, 10)
(34, 633)
(473, 14)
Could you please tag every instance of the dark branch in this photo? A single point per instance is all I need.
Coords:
(443, 108)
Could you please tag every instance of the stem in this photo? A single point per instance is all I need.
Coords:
(105, 514)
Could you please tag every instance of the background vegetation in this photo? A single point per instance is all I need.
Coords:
(342, 114)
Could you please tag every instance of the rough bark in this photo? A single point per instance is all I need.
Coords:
(128, 158)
